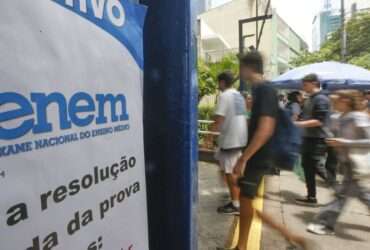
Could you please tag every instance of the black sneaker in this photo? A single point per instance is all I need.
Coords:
(309, 201)
(229, 209)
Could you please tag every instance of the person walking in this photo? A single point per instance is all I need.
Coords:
(254, 163)
(231, 122)
(331, 164)
(315, 121)
(282, 101)
(352, 144)
(294, 105)
(248, 105)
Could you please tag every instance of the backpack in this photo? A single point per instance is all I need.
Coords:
(286, 142)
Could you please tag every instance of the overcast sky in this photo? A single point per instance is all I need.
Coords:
(298, 14)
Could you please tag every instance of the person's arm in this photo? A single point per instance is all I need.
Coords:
(218, 121)
(312, 123)
(265, 130)
(215, 128)
(339, 142)
(321, 109)
(296, 110)
(354, 132)
(220, 113)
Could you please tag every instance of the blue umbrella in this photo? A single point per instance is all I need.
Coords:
(333, 75)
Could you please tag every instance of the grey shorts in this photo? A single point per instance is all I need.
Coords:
(228, 159)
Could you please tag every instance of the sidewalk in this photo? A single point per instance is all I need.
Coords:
(353, 231)
(213, 227)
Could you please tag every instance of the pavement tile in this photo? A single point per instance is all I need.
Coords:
(353, 230)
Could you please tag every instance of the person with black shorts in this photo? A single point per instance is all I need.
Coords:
(255, 162)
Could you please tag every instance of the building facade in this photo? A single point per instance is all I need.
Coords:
(201, 6)
(217, 3)
(324, 24)
(328, 20)
(204, 5)
(219, 35)
(355, 6)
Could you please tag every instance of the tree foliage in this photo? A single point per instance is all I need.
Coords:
(358, 45)
(206, 83)
(208, 72)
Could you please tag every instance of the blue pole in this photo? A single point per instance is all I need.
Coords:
(170, 124)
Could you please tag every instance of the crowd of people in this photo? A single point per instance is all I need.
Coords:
(335, 135)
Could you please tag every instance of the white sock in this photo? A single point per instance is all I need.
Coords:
(236, 204)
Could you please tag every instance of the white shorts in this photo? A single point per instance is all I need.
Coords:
(228, 159)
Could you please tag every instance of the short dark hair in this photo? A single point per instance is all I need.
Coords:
(227, 77)
(313, 78)
(293, 96)
(253, 60)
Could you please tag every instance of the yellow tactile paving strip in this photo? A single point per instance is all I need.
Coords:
(254, 242)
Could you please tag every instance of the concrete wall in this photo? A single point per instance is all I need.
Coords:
(224, 19)
(361, 4)
(277, 43)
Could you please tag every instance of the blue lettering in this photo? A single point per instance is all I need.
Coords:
(74, 109)
(113, 100)
(24, 110)
(111, 10)
(42, 102)
(15, 149)
(81, 110)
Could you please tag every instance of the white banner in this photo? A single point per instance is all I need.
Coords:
(71, 134)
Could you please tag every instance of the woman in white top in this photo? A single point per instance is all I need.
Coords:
(352, 143)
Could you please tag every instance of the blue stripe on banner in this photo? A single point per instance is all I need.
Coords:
(103, 12)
